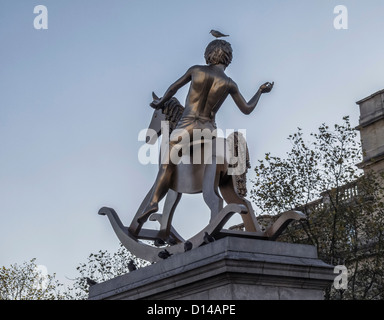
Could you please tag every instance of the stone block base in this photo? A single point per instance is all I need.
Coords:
(227, 269)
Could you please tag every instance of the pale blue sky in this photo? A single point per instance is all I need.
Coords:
(74, 98)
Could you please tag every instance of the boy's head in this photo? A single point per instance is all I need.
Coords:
(218, 52)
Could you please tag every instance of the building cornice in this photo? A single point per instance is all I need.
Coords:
(371, 160)
(370, 97)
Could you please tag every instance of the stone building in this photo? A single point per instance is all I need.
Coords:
(359, 206)
(371, 126)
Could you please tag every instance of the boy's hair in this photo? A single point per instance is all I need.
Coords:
(218, 51)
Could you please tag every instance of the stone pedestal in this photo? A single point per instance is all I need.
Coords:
(227, 269)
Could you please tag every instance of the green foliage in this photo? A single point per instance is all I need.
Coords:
(25, 282)
(100, 267)
(308, 170)
(344, 207)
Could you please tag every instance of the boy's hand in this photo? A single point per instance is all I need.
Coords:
(156, 104)
(266, 87)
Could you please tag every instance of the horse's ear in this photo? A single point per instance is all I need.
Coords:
(154, 96)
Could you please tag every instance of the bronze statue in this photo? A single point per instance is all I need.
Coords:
(209, 87)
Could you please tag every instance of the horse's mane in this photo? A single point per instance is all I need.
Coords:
(173, 111)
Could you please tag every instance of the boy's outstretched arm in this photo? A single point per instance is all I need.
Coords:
(248, 107)
(173, 88)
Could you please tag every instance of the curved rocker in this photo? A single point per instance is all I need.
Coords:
(282, 222)
(150, 253)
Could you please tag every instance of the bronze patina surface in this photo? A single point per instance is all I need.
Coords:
(209, 86)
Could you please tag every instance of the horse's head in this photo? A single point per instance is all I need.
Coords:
(171, 112)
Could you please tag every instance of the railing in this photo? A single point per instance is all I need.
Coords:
(346, 194)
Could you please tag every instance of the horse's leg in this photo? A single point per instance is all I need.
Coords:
(160, 188)
(171, 202)
(229, 194)
(150, 203)
(210, 187)
(135, 226)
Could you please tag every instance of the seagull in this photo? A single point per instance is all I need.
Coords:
(208, 238)
(218, 34)
(164, 254)
(131, 266)
(91, 282)
(187, 246)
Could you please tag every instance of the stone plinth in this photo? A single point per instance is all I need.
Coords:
(227, 269)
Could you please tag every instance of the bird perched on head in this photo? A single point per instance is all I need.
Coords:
(218, 34)
(208, 238)
(131, 266)
(91, 282)
(164, 254)
(187, 246)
